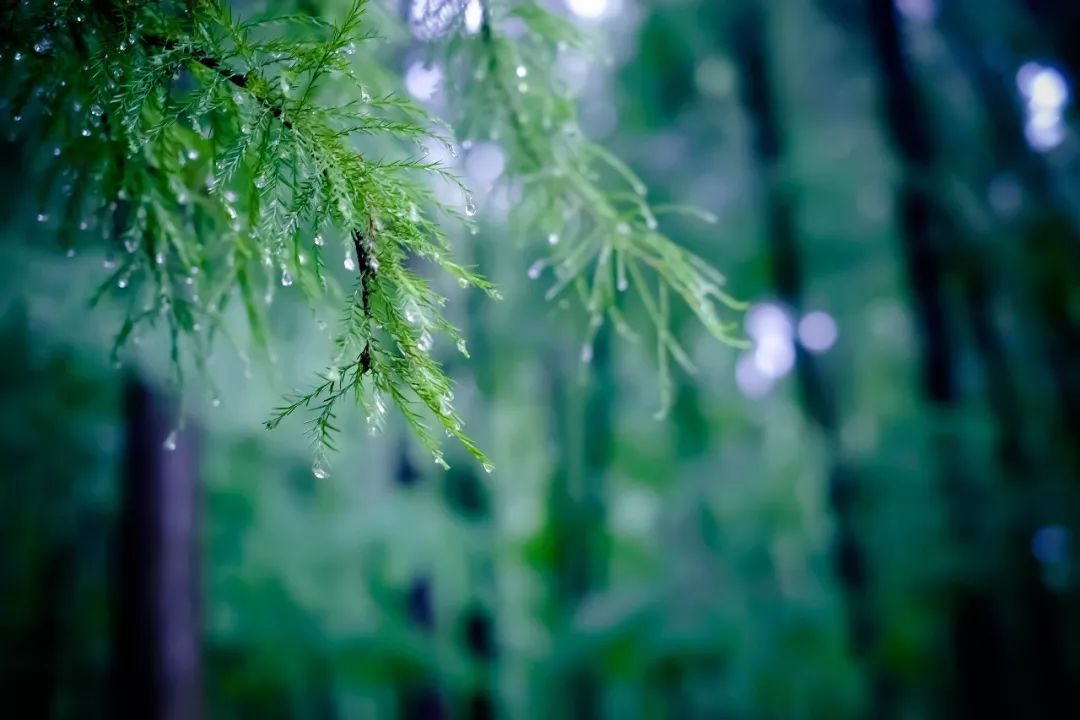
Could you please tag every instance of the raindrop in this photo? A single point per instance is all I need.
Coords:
(159, 257)
(318, 240)
(319, 471)
(553, 238)
(42, 217)
(216, 402)
(71, 252)
(522, 71)
(286, 278)
(56, 151)
(170, 441)
(192, 154)
(96, 110)
(365, 96)
(488, 467)
(425, 341)
(586, 353)
(535, 269)
(463, 282)
(470, 206)
(131, 245)
(350, 49)
(122, 282)
(86, 132)
(42, 46)
(349, 263)
(462, 347)
(260, 182)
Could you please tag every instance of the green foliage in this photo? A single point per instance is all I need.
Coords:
(220, 157)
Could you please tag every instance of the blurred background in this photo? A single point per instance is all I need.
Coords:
(869, 513)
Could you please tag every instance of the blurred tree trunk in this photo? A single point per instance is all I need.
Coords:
(981, 672)
(581, 421)
(1043, 276)
(157, 633)
(749, 42)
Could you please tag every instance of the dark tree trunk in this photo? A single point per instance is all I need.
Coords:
(750, 46)
(156, 673)
(980, 666)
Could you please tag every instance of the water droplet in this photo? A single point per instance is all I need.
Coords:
(425, 341)
(56, 151)
(286, 278)
(260, 182)
(318, 240)
(349, 263)
(170, 441)
(651, 223)
(319, 471)
(159, 257)
(83, 224)
(365, 96)
(523, 87)
(71, 252)
(470, 206)
(86, 132)
(586, 353)
(553, 238)
(463, 282)
(462, 347)
(350, 49)
(17, 118)
(131, 245)
(96, 110)
(488, 467)
(18, 57)
(522, 71)
(622, 228)
(42, 217)
(216, 402)
(122, 282)
(536, 268)
(42, 46)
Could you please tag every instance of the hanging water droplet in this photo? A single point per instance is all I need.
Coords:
(425, 341)
(96, 110)
(42, 217)
(488, 467)
(450, 148)
(536, 268)
(18, 57)
(42, 46)
(86, 132)
(56, 151)
(170, 441)
(650, 222)
(365, 96)
(470, 206)
(349, 263)
(260, 182)
(463, 282)
(522, 71)
(586, 353)
(122, 282)
(159, 257)
(350, 49)
(83, 224)
(462, 347)
(71, 252)
(17, 118)
(216, 402)
(131, 245)
(286, 277)
(319, 471)
(318, 240)
(553, 238)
